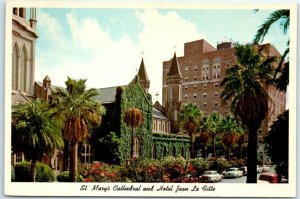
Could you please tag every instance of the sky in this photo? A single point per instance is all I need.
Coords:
(105, 46)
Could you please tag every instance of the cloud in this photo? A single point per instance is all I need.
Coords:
(91, 52)
(160, 34)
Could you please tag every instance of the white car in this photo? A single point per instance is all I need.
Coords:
(211, 176)
(259, 169)
(233, 173)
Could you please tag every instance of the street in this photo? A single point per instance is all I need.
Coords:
(235, 180)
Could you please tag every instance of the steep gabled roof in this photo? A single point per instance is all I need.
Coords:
(174, 69)
(142, 72)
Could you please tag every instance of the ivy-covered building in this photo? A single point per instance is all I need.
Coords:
(153, 139)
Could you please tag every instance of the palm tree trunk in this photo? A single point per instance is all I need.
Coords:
(73, 162)
(132, 144)
(252, 154)
(192, 147)
(204, 151)
(228, 153)
(33, 170)
(214, 146)
(240, 151)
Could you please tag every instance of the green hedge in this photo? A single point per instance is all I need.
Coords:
(64, 177)
(43, 172)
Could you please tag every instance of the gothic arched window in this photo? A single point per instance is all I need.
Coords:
(24, 70)
(15, 71)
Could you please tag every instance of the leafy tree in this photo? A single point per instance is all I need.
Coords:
(35, 131)
(244, 84)
(80, 112)
(283, 17)
(190, 117)
(133, 118)
(277, 143)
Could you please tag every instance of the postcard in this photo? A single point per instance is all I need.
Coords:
(150, 99)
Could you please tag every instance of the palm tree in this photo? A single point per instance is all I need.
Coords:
(133, 118)
(214, 122)
(190, 117)
(231, 131)
(35, 131)
(282, 16)
(244, 85)
(80, 112)
(204, 135)
(241, 141)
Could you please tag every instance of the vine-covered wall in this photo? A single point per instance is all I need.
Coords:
(170, 145)
(133, 96)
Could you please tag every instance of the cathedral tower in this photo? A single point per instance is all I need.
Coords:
(174, 89)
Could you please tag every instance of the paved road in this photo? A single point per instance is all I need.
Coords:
(235, 180)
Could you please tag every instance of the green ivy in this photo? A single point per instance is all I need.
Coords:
(133, 96)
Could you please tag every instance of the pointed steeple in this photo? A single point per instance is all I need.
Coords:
(174, 69)
(47, 82)
(143, 76)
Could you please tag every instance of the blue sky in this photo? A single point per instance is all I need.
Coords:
(105, 45)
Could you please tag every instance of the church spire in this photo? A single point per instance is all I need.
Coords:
(144, 80)
(174, 69)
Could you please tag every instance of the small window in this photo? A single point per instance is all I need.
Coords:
(216, 85)
(195, 78)
(195, 87)
(260, 131)
(185, 97)
(195, 68)
(195, 96)
(186, 79)
(204, 104)
(204, 95)
(216, 104)
(204, 86)
(216, 94)
(185, 88)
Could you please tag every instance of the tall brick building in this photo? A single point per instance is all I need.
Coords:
(200, 72)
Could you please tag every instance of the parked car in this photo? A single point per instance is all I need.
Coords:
(265, 168)
(244, 169)
(233, 173)
(271, 178)
(259, 169)
(211, 176)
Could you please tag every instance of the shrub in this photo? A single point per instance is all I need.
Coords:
(12, 173)
(64, 177)
(173, 168)
(142, 170)
(197, 166)
(237, 162)
(101, 172)
(219, 164)
(43, 172)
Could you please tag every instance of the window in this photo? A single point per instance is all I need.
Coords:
(186, 79)
(86, 154)
(195, 87)
(23, 68)
(204, 86)
(204, 95)
(15, 68)
(195, 96)
(204, 104)
(216, 104)
(260, 131)
(216, 94)
(195, 68)
(185, 97)
(216, 85)
(185, 88)
(195, 78)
